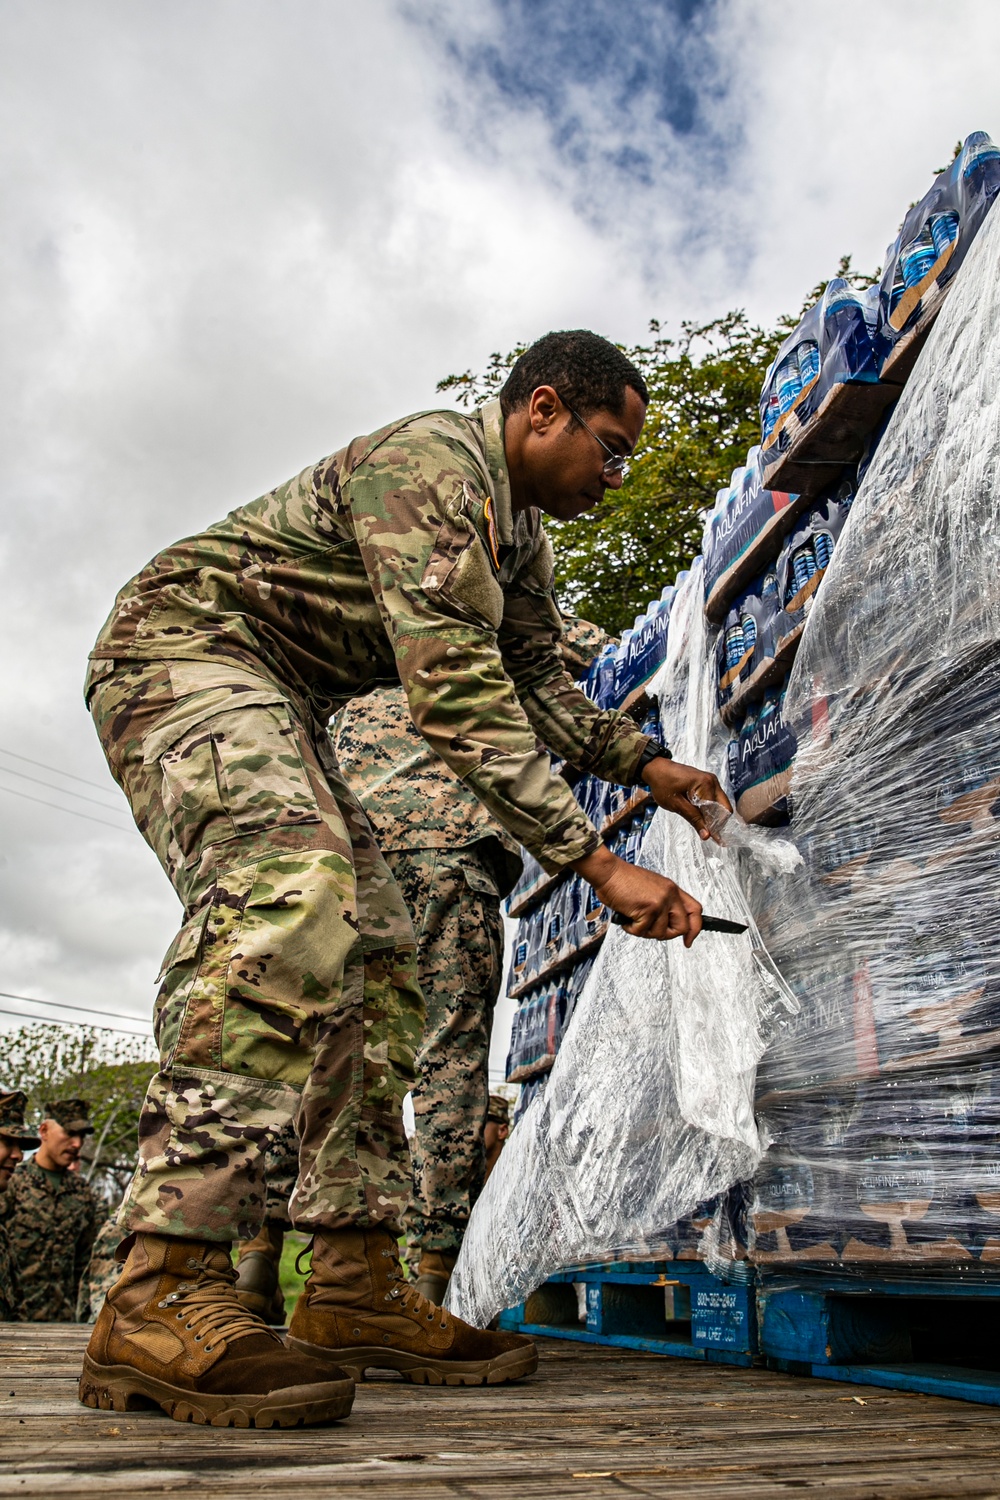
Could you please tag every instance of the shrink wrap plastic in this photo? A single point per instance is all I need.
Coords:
(648, 1109)
(882, 1093)
(878, 1097)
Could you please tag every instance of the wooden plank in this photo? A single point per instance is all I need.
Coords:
(594, 1421)
(833, 437)
(566, 961)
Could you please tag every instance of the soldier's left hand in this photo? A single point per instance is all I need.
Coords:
(680, 788)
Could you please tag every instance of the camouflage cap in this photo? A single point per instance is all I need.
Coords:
(72, 1114)
(499, 1110)
(12, 1126)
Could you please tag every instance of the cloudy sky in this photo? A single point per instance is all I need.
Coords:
(237, 232)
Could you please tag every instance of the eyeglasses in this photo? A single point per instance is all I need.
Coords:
(616, 463)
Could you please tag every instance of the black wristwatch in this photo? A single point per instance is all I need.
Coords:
(655, 750)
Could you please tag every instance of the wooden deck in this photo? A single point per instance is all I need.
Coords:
(593, 1421)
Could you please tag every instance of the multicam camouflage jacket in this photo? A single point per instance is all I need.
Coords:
(411, 797)
(52, 1219)
(399, 559)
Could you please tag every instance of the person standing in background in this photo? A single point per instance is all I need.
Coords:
(15, 1139)
(53, 1216)
(496, 1130)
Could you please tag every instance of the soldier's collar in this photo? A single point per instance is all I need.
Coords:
(496, 461)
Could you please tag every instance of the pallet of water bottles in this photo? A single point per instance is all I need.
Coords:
(832, 386)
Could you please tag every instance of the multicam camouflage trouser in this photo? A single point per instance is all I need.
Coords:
(290, 992)
(452, 897)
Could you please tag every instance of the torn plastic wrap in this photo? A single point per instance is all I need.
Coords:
(882, 1096)
(648, 1111)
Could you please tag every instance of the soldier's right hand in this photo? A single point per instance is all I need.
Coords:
(653, 906)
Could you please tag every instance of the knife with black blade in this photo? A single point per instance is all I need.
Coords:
(708, 924)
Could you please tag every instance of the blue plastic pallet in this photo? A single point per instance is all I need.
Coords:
(876, 1331)
(664, 1307)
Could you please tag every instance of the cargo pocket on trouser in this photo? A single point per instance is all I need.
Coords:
(253, 973)
(480, 927)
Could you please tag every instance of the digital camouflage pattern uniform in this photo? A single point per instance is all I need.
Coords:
(101, 1274)
(52, 1219)
(12, 1129)
(290, 991)
(454, 863)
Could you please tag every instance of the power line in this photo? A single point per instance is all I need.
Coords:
(27, 797)
(63, 791)
(40, 764)
(92, 1010)
(93, 1025)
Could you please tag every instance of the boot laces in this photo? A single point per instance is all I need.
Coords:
(211, 1306)
(409, 1299)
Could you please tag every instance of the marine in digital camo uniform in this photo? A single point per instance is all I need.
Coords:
(453, 864)
(414, 555)
(52, 1217)
(15, 1139)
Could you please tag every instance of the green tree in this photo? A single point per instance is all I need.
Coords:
(702, 419)
(110, 1070)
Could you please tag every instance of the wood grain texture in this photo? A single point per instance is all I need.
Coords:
(593, 1422)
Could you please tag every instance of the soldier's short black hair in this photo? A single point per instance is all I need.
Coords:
(588, 372)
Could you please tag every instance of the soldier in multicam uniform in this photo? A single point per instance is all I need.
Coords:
(52, 1216)
(15, 1139)
(415, 555)
(453, 863)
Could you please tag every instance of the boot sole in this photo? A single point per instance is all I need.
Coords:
(513, 1364)
(121, 1388)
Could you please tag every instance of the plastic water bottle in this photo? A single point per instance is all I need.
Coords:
(789, 383)
(944, 230)
(808, 353)
(772, 411)
(749, 625)
(917, 258)
(803, 567)
(621, 669)
(734, 645)
(605, 696)
(979, 152)
(823, 544)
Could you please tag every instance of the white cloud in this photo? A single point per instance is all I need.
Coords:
(235, 234)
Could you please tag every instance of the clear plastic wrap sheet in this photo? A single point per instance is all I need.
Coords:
(881, 1095)
(649, 1106)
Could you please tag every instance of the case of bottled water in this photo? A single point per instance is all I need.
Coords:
(934, 239)
(833, 343)
(744, 514)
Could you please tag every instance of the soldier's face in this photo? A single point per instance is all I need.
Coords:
(10, 1155)
(563, 461)
(59, 1150)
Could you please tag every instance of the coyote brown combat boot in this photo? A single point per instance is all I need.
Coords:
(434, 1273)
(257, 1281)
(357, 1308)
(173, 1333)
